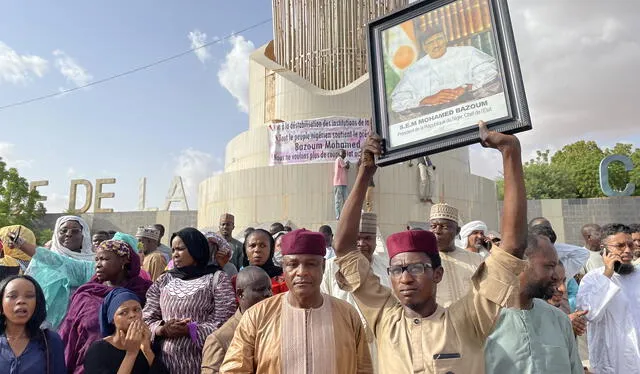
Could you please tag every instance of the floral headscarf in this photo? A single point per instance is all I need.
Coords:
(118, 247)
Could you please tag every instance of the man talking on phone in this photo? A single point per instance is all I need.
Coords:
(611, 294)
(473, 239)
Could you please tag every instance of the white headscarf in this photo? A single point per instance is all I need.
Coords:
(86, 252)
(467, 229)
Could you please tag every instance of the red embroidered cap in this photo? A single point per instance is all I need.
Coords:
(412, 241)
(303, 242)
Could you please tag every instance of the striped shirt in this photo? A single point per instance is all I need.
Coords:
(209, 301)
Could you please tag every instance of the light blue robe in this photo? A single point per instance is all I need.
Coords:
(536, 341)
(58, 276)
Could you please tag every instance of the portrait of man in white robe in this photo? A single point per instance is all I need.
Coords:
(445, 76)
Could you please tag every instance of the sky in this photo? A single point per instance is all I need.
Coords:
(579, 60)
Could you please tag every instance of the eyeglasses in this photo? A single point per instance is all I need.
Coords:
(413, 269)
(620, 246)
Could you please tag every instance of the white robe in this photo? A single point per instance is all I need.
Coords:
(613, 330)
(595, 261)
(573, 258)
(458, 67)
(329, 286)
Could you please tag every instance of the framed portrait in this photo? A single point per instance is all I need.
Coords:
(439, 67)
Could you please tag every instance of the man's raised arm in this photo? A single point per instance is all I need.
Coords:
(514, 212)
(348, 225)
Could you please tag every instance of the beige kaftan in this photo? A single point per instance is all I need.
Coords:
(274, 337)
(450, 340)
(459, 267)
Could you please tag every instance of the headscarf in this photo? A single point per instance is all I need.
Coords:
(129, 239)
(86, 251)
(467, 229)
(198, 248)
(25, 234)
(81, 326)
(277, 256)
(110, 305)
(269, 266)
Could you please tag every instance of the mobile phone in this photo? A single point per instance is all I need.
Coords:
(616, 264)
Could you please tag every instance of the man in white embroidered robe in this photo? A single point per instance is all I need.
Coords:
(301, 331)
(611, 295)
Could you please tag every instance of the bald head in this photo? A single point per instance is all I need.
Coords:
(251, 275)
(592, 235)
(539, 221)
(252, 286)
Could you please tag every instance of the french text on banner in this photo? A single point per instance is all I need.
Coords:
(316, 140)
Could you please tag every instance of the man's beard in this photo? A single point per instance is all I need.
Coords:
(541, 291)
(625, 269)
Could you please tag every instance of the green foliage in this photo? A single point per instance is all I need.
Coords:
(500, 188)
(574, 172)
(544, 180)
(580, 162)
(44, 236)
(18, 205)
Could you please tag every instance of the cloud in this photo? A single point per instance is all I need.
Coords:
(56, 203)
(71, 70)
(71, 171)
(198, 40)
(6, 153)
(195, 166)
(580, 72)
(16, 68)
(234, 71)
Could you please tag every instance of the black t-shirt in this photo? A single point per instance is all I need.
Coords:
(104, 358)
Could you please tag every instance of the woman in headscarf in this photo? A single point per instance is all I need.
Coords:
(277, 254)
(8, 265)
(138, 248)
(22, 258)
(25, 347)
(72, 238)
(259, 248)
(117, 265)
(59, 270)
(221, 252)
(188, 302)
(126, 343)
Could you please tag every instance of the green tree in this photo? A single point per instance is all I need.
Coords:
(18, 205)
(545, 180)
(574, 172)
(580, 162)
(44, 236)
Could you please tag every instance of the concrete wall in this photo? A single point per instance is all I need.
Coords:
(259, 194)
(128, 222)
(569, 215)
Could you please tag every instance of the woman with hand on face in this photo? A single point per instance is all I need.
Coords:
(259, 248)
(25, 348)
(117, 265)
(188, 302)
(126, 347)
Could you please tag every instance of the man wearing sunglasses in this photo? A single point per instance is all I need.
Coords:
(611, 294)
(414, 334)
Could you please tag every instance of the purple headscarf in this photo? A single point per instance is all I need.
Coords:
(81, 325)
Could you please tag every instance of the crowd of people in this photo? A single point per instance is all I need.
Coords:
(449, 299)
